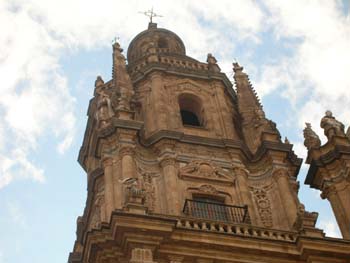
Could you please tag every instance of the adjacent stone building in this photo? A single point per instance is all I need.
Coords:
(184, 167)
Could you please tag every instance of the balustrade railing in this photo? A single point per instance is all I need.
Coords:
(216, 211)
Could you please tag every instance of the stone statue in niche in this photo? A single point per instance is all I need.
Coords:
(149, 188)
(332, 126)
(98, 210)
(311, 138)
(134, 190)
(104, 108)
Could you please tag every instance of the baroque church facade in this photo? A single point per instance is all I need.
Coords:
(183, 167)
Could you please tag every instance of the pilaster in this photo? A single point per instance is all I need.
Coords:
(285, 190)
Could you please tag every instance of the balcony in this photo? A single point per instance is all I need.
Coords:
(216, 211)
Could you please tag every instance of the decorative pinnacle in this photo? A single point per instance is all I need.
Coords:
(150, 14)
(237, 67)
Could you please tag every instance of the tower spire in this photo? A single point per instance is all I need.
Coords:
(254, 122)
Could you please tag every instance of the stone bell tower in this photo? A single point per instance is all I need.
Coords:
(182, 167)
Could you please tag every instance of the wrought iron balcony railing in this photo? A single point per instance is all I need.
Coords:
(216, 211)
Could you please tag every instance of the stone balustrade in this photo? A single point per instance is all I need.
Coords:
(237, 230)
(172, 62)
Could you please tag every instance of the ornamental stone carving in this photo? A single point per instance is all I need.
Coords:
(104, 110)
(208, 189)
(205, 170)
(98, 209)
(311, 139)
(134, 191)
(147, 182)
(264, 206)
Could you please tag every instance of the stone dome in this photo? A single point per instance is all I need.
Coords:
(158, 40)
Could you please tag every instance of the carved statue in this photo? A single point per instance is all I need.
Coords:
(98, 210)
(134, 190)
(104, 108)
(311, 138)
(332, 126)
(211, 59)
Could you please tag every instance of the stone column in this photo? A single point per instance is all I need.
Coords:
(157, 101)
(245, 194)
(127, 161)
(168, 164)
(288, 200)
(109, 189)
(331, 194)
(118, 187)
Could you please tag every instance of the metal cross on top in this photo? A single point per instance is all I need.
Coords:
(150, 14)
(115, 40)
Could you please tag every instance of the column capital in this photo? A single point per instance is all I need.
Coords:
(280, 173)
(107, 161)
(127, 150)
(241, 171)
(167, 159)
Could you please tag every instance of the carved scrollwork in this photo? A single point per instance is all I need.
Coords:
(208, 189)
(264, 206)
(205, 170)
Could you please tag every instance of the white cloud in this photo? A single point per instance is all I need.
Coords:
(331, 228)
(317, 71)
(35, 98)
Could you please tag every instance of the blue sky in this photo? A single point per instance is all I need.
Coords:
(296, 53)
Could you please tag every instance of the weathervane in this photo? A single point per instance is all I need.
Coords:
(150, 14)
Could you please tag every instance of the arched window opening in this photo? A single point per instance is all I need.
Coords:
(191, 110)
(189, 118)
(162, 43)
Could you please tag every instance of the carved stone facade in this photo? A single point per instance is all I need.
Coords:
(182, 167)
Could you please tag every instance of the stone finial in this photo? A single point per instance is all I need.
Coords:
(99, 82)
(286, 141)
(237, 68)
(332, 126)
(311, 138)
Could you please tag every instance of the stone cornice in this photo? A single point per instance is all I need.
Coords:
(264, 148)
(323, 161)
(232, 238)
(184, 72)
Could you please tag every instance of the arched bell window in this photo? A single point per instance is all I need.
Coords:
(191, 110)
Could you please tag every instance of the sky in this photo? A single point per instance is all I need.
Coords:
(297, 54)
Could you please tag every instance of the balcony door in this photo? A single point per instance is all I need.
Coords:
(209, 208)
